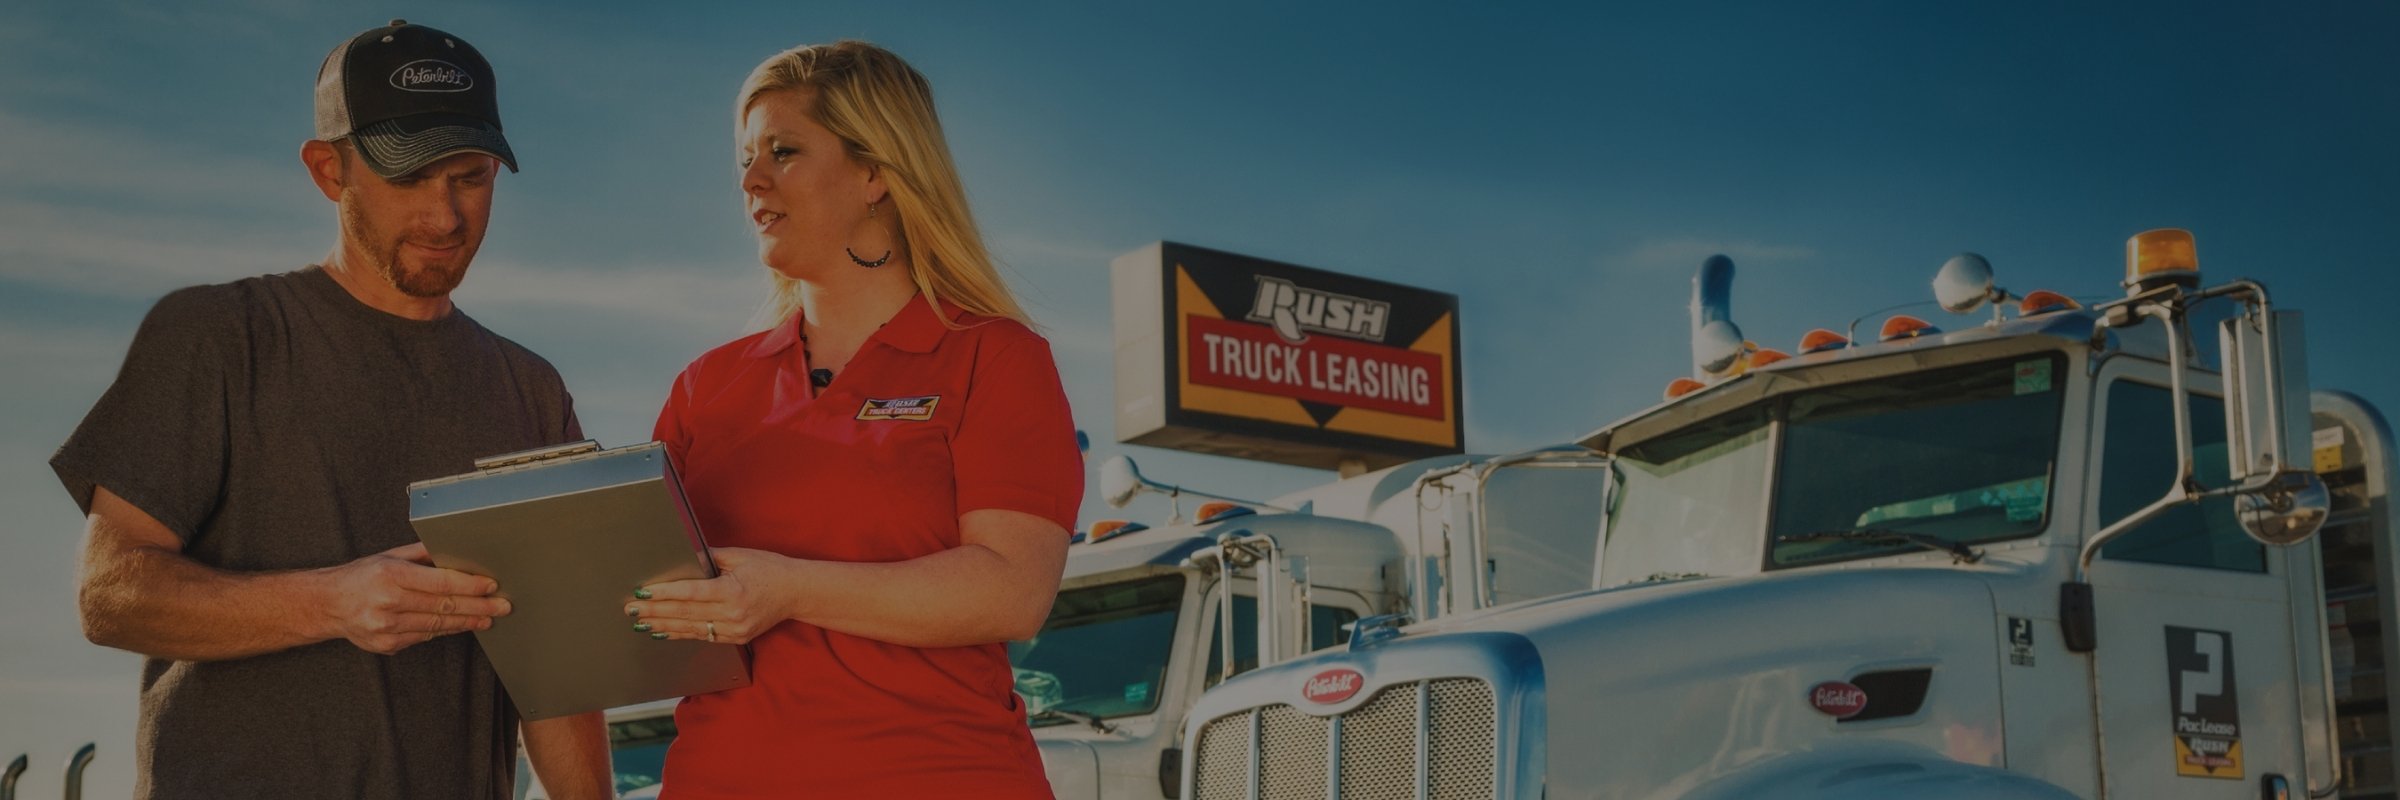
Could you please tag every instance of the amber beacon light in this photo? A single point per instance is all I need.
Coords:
(2163, 256)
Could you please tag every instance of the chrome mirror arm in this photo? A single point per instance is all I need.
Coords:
(2183, 490)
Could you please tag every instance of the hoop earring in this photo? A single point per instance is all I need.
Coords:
(879, 260)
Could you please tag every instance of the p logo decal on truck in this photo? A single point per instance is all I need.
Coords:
(2206, 710)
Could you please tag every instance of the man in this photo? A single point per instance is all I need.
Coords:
(245, 477)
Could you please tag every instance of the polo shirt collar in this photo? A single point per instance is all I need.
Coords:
(915, 330)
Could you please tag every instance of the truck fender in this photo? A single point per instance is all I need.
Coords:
(1881, 771)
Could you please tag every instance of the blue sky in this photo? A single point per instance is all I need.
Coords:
(1562, 171)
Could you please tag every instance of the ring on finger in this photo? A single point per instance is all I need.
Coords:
(712, 632)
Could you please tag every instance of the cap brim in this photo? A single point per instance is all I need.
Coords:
(393, 148)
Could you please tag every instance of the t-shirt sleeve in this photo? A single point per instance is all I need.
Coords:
(574, 423)
(1015, 444)
(157, 437)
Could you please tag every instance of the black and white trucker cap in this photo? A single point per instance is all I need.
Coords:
(409, 95)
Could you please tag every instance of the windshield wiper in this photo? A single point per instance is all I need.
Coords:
(1959, 553)
(1075, 716)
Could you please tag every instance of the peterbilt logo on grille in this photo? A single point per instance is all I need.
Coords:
(1293, 309)
(1332, 686)
(428, 75)
(1838, 698)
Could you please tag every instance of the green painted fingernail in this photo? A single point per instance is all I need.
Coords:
(641, 594)
(658, 636)
(642, 626)
(633, 611)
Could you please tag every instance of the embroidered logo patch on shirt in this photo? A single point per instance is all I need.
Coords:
(915, 408)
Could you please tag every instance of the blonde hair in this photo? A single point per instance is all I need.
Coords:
(882, 110)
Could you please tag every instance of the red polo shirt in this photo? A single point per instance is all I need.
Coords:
(926, 423)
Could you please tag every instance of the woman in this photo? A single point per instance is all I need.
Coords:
(888, 472)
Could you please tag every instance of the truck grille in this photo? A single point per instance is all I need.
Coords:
(1435, 740)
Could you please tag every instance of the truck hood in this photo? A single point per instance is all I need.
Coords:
(1663, 690)
(1668, 688)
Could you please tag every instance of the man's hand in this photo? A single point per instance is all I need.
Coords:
(139, 592)
(397, 599)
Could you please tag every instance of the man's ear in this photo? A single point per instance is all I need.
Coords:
(324, 163)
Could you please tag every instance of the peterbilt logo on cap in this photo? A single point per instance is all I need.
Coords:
(1332, 686)
(1838, 698)
(429, 75)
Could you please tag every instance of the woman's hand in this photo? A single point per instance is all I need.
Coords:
(751, 594)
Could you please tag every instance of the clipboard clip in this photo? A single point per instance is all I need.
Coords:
(537, 454)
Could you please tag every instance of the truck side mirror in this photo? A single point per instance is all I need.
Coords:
(2267, 426)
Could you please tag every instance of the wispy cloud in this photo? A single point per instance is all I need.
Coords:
(701, 296)
(126, 255)
(1686, 252)
(67, 226)
(1028, 253)
(61, 355)
(33, 46)
(1063, 285)
(102, 211)
(65, 160)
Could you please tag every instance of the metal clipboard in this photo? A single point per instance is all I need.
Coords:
(569, 532)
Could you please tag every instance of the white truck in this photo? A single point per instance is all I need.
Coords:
(1139, 629)
(2064, 554)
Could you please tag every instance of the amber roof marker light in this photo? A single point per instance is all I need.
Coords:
(1903, 326)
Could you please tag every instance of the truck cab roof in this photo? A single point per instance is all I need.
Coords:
(1864, 360)
(1342, 552)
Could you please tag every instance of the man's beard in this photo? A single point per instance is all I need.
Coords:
(433, 281)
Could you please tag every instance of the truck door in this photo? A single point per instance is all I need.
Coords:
(2198, 685)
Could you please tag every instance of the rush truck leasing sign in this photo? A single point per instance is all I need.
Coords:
(1233, 355)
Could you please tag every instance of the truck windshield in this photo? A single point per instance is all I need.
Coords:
(1960, 454)
(1104, 651)
(1689, 503)
(1963, 455)
(1541, 521)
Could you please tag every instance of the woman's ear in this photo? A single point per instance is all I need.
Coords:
(876, 191)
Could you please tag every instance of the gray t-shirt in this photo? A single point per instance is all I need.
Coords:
(274, 423)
